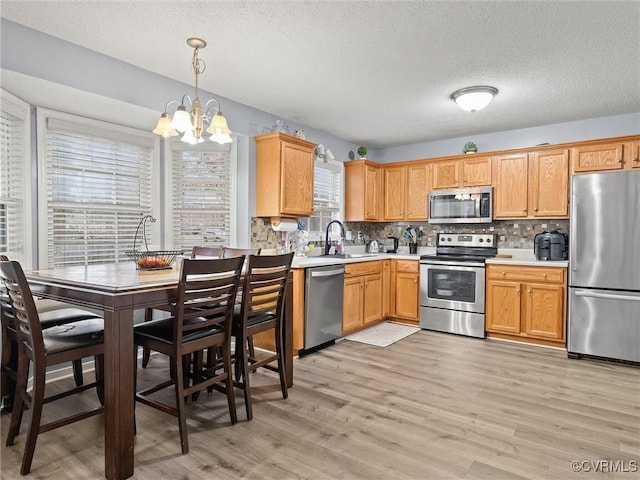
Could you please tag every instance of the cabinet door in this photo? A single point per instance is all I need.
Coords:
(407, 295)
(510, 186)
(394, 193)
(417, 191)
(476, 171)
(445, 174)
(549, 184)
(296, 176)
(634, 159)
(544, 314)
(372, 298)
(352, 304)
(372, 193)
(591, 158)
(503, 307)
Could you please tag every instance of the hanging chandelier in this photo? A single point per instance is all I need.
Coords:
(190, 116)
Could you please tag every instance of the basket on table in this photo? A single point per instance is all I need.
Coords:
(154, 260)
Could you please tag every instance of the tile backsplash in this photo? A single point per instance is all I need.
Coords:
(511, 233)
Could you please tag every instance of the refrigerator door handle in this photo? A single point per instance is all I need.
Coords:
(573, 243)
(609, 296)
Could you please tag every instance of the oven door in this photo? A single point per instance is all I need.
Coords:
(453, 287)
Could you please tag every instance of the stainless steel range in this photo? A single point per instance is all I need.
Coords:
(452, 283)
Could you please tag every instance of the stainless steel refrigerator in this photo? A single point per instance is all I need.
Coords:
(604, 265)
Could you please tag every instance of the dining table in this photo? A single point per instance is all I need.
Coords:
(118, 290)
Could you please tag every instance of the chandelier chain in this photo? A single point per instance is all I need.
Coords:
(198, 65)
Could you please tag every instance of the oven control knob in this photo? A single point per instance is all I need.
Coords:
(489, 240)
(449, 239)
(481, 240)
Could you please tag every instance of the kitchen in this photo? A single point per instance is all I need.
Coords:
(516, 233)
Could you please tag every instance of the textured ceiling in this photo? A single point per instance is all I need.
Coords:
(376, 73)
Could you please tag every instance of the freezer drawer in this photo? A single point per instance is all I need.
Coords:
(605, 323)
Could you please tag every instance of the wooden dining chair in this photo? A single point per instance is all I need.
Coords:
(261, 310)
(50, 317)
(202, 319)
(206, 252)
(42, 349)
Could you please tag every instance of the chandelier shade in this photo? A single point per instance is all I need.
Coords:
(472, 99)
(190, 116)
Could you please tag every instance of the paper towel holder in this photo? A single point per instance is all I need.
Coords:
(283, 224)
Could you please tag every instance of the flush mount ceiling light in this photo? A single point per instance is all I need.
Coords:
(190, 117)
(473, 99)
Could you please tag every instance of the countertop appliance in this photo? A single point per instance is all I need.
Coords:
(604, 266)
(396, 242)
(461, 205)
(551, 246)
(324, 288)
(452, 283)
(373, 247)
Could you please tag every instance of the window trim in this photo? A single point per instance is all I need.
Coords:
(338, 167)
(22, 110)
(42, 114)
(168, 195)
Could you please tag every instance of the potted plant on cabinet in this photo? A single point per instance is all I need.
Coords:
(362, 151)
(470, 147)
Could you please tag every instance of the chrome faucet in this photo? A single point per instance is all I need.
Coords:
(327, 244)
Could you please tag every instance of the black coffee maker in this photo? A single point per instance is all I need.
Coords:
(396, 242)
(551, 246)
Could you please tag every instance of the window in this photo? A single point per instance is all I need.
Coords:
(202, 183)
(97, 186)
(327, 195)
(14, 174)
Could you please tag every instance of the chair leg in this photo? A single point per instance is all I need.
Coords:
(231, 400)
(19, 405)
(245, 379)
(98, 362)
(180, 403)
(281, 372)
(77, 372)
(8, 367)
(37, 401)
(197, 366)
(146, 353)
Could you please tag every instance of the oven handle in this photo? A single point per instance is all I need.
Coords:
(452, 264)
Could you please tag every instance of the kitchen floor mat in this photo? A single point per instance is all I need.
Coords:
(383, 334)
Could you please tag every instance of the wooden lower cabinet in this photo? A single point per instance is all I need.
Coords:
(526, 304)
(405, 290)
(363, 289)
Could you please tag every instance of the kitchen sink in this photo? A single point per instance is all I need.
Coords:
(350, 255)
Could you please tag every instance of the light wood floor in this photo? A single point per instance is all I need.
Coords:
(432, 406)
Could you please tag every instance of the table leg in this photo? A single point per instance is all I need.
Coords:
(119, 400)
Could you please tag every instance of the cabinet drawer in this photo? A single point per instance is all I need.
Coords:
(407, 266)
(526, 274)
(363, 268)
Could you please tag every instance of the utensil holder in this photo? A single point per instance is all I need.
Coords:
(413, 247)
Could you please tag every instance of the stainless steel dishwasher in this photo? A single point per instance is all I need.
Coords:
(324, 287)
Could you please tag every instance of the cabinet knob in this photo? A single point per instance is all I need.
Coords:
(544, 275)
(636, 160)
(415, 282)
(621, 162)
(524, 210)
(517, 290)
(535, 209)
(504, 273)
(529, 291)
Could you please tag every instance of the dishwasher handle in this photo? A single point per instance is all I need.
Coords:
(327, 273)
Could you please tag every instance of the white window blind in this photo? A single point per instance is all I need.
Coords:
(98, 187)
(202, 188)
(12, 191)
(327, 195)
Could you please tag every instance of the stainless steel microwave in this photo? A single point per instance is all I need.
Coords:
(461, 205)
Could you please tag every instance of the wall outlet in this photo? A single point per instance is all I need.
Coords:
(347, 235)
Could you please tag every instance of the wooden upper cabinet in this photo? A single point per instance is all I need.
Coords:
(510, 181)
(417, 191)
(597, 157)
(445, 174)
(476, 171)
(394, 192)
(284, 176)
(549, 184)
(362, 191)
(406, 191)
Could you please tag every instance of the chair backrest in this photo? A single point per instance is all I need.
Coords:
(206, 252)
(6, 310)
(228, 252)
(265, 281)
(206, 292)
(22, 304)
